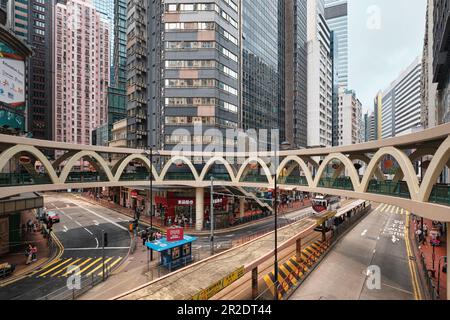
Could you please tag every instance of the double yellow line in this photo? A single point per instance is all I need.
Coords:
(411, 264)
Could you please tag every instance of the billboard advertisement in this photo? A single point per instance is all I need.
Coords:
(12, 80)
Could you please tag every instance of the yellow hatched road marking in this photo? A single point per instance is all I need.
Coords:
(63, 269)
(46, 267)
(90, 265)
(111, 265)
(383, 208)
(98, 267)
(389, 209)
(287, 272)
(79, 266)
(291, 265)
(56, 267)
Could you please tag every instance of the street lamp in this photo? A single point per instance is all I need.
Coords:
(275, 210)
(211, 215)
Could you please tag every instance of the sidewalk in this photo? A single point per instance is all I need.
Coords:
(18, 258)
(284, 209)
(424, 256)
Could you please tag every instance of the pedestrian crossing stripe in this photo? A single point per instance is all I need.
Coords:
(87, 266)
(383, 207)
(396, 211)
(54, 268)
(292, 271)
(65, 268)
(45, 267)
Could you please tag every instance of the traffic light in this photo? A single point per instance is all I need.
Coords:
(105, 239)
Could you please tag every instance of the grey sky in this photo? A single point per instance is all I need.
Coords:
(378, 53)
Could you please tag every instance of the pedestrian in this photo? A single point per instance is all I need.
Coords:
(34, 251)
(28, 254)
(425, 230)
(144, 237)
(29, 225)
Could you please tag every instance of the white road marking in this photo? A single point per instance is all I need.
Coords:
(363, 233)
(78, 223)
(96, 223)
(89, 231)
(100, 216)
(96, 240)
(65, 229)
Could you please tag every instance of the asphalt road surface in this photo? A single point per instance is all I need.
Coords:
(80, 232)
(378, 242)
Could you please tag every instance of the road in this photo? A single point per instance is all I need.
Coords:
(80, 232)
(378, 240)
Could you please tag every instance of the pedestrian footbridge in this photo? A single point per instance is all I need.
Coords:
(404, 171)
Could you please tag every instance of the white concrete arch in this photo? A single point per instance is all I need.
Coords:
(299, 162)
(211, 162)
(175, 159)
(8, 154)
(348, 165)
(62, 158)
(441, 157)
(404, 163)
(243, 169)
(77, 157)
(362, 158)
(120, 166)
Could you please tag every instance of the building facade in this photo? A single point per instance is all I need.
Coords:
(106, 10)
(401, 102)
(350, 118)
(320, 76)
(441, 58)
(296, 72)
(32, 22)
(370, 132)
(82, 69)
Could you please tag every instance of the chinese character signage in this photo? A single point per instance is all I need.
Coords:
(175, 234)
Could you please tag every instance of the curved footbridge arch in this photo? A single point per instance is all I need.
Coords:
(303, 170)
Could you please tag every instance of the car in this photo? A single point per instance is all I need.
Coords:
(53, 216)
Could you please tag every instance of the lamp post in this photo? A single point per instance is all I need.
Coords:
(150, 156)
(275, 211)
(211, 215)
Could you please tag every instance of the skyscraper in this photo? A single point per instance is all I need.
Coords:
(263, 65)
(32, 21)
(320, 85)
(401, 102)
(106, 10)
(194, 76)
(82, 68)
(336, 15)
(296, 62)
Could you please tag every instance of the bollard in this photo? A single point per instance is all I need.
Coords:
(254, 283)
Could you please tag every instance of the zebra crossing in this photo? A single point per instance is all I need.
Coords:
(87, 266)
(387, 208)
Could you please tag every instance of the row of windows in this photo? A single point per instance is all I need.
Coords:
(183, 7)
(176, 26)
(201, 64)
(174, 139)
(190, 120)
(201, 102)
(186, 45)
(197, 83)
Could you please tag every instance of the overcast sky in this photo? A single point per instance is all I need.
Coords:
(385, 36)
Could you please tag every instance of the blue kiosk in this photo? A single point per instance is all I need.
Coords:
(173, 253)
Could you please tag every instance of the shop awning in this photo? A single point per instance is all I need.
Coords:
(163, 244)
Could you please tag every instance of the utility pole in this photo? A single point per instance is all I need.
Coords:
(211, 214)
(103, 254)
(275, 211)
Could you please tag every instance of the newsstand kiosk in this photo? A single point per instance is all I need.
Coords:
(175, 248)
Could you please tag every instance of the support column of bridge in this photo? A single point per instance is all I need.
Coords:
(241, 207)
(448, 256)
(199, 208)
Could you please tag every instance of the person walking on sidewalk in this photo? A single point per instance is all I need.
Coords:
(28, 254)
(34, 251)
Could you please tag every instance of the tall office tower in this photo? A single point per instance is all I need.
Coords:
(336, 15)
(296, 62)
(377, 109)
(401, 102)
(429, 116)
(136, 72)
(81, 79)
(32, 21)
(194, 76)
(106, 10)
(120, 44)
(263, 65)
(320, 82)
(350, 116)
(441, 58)
(370, 127)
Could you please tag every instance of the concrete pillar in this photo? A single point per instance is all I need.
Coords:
(255, 283)
(241, 207)
(448, 256)
(199, 208)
